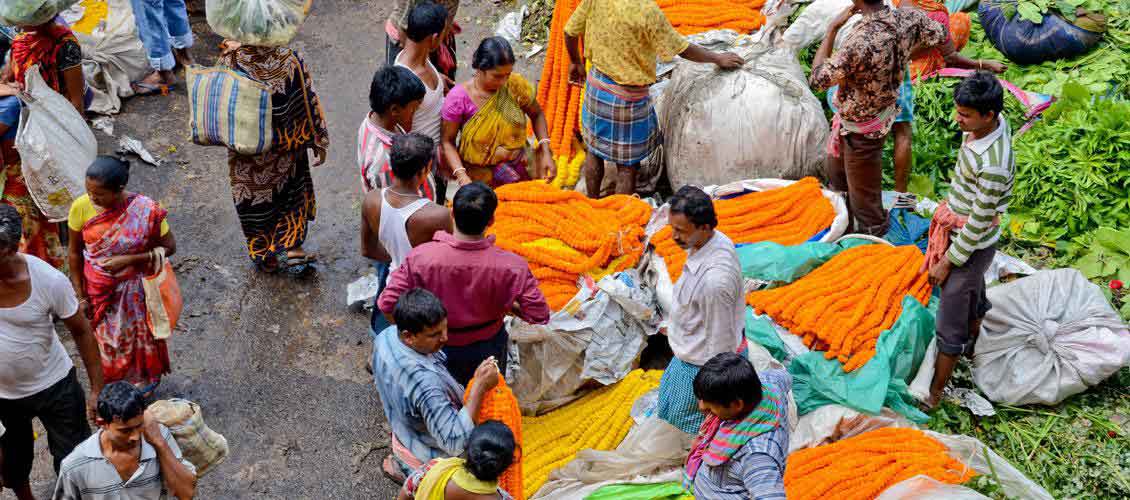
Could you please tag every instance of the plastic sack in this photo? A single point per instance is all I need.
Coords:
(881, 382)
(972, 452)
(55, 145)
(908, 228)
(1048, 336)
(112, 57)
(267, 23)
(922, 487)
(758, 121)
(832, 423)
(812, 24)
(658, 491)
(201, 445)
(1025, 42)
(652, 452)
(31, 12)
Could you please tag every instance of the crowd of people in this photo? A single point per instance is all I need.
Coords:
(445, 287)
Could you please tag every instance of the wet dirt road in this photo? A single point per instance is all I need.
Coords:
(278, 366)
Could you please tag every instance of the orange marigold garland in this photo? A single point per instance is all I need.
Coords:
(564, 234)
(500, 404)
(696, 16)
(788, 215)
(843, 306)
(560, 100)
(862, 467)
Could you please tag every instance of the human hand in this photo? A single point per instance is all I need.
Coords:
(486, 375)
(577, 73)
(319, 155)
(84, 307)
(842, 19)
(151, 430)
(940, 271)
(728, 60)
(993, 66)
(546, 165)
(114, 263)
(462, 178)
(448, 83)
(8, 89)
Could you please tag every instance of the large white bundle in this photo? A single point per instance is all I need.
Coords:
(31, 12)
(268, 23)
(761, 121)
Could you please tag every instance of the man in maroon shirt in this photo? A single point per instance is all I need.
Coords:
(477, 282)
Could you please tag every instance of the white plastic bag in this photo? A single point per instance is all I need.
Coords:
(1048, 336)
(31, 12)
(927, 488)
(112, 58)
(267, 23)
(831, 423)
(972, 452)
(55, 144)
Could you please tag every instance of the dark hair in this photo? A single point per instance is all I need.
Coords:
(394, 85)
(120, 400)
(492, 53)
(872, 2)
(426, 19)
(111, 172)
(417, 310)
(473, 208)
(410, 154)
(11, 227)
(490, 450)
(726, 378)
(693, 203)
(980, 91)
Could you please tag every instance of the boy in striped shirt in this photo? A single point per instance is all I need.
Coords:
(966, 227)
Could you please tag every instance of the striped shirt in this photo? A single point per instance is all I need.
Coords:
(981, 189)
(374, 145)
(87, 474)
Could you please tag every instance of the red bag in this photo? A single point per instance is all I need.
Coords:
(163, 301)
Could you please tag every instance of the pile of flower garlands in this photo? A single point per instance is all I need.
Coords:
(500, 404)
(843, 306)
(561, 101)
(597, 421)
(696, 16)
(863, 466)
(788, 215)
(564, 234)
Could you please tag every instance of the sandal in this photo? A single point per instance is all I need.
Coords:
(300, 266)
(144, 89)
(392, 470)
(269, 265)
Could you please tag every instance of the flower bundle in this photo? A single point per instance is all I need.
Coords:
(843, 306)
(787, 215)
(563, 234)
(862, 467)
(500, 404)
(696, 16)
(560, 100)
(599, 421)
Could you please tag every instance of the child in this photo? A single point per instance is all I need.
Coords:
(966, 226)
(394, 96)
(426, 23)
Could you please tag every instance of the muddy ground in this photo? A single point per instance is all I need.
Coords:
(278, 366)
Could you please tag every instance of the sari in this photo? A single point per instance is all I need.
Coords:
(492, 142)
(430, 482)
(55, 49)
(274, 191)
(957, 27)
(129, 351)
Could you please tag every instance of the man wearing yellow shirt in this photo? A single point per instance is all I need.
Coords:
(622, 40)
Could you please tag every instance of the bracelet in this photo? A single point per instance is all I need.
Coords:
(455, 173)
(543, 141)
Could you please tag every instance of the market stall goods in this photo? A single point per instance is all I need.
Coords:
(863, 466)
(696, 16)
(843, 306)
(501, 405)
(564, 234)
(560, 100)
(597, 421)
(788, 215)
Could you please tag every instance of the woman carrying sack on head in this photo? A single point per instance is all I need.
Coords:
(273, 191)
(114, 240)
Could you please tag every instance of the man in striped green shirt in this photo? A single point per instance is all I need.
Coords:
(970, 218)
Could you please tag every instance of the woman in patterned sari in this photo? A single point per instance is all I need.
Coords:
(488, 116)
(114, 239)
(273, 191)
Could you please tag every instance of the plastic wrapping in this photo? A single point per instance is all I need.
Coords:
(268, 23)
(831, 423)
(927, 488)
(1025, 42)
(972, 452)
(31, 12)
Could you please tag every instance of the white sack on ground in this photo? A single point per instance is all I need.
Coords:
(922, 487)
(972, 452)
(831, 423)
(112, 58)
(652, 452)
(1047, 337)
(758, 121)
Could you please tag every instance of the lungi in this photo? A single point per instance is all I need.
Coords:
(677, 402)
(618, 122)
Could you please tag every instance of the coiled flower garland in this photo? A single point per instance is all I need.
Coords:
(500, 404)
(696, 16)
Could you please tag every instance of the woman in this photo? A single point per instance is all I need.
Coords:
(56, 50)
(114, 243)
(490, 451)
(947, 55)
(273, 191)
(488, 115)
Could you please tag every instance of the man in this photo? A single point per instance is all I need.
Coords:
(478, 282)
(130, 444)
(163, 27)
(423, 403)
(707, 314)
(741, 450)
(426, 26)
(394, 96)
(966, 227)
(396, 219)
(622, 40)
(37, 376)
(869, 69)
(396, 30)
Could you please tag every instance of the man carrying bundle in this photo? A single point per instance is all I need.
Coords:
(623, 38)
(707, 317)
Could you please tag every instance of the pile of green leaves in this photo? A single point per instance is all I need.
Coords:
(535, 27)
(1104, 255)
(1034, 10)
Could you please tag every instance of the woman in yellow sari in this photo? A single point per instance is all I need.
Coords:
(484, 122)
(490, 451)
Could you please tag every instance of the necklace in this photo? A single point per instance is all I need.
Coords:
(398, 193)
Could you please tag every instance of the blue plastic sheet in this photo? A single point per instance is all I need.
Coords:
(908, 228)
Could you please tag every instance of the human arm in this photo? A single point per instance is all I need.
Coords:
(450, 131)
(177, 474)
(828, 71)
(530, 302)
(371, 246)
(544, 168)
(117, 263)
(724, 60)
(76, 261)
(574, 28)
(448, 424)
(761, 474)
(400, 281)
(720, 297)
(993, 184)
(91, 356)
(955, 59)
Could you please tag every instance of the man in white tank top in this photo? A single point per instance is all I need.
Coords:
(397, 218)
(425, 28)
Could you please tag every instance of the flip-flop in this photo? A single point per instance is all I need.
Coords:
(300, 266)
(144, 89)
(392, 471)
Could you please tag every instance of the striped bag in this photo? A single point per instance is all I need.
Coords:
(229, 109)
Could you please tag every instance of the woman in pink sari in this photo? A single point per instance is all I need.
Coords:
(114, 239)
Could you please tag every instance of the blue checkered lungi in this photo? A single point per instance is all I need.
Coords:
(677, 403)
(618, 123)
(905, 100)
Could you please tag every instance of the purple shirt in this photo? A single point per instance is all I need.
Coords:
(458, 106)
(476, 281)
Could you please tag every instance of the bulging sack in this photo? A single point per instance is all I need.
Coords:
(201, 445)
(1025, 42)
(267, 23)
(31, 12)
